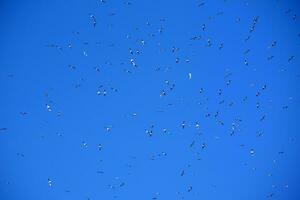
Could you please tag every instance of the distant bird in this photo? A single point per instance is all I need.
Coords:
(197, 125)
(108, 128)
(162, 93)
(221, 46)
(247, 51)
(209, 43)
(192, 144)
(50, 182)
(48, 107)
(201, 4)
(23, 113)
(3, 129)
(122, 184)
(132, 61)
(294, 17)
(182, 173)
(183, 124)
(291, 58)
(84, 144)
(94, 21)
(165, 130)
(252, 152)
(263, 117)
(150, 131)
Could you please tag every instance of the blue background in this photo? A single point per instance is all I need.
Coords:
(243, 93)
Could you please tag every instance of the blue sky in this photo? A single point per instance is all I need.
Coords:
(149, 100)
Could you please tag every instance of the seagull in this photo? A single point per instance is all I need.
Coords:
(183, 124)
(122, 184)
(164, 153)
(49, 182)
(23, 113)
(48, 108)
(133, 62)
(221, 46)
(228, 82)
(94, 21)
(160, 30)
(150, 131)
(192, 144)
(247, 51)
(97, 69)
(130, 51)
(84, 144)
(197, 125)
(257, 105)
(165, 130)
(3, 129)
(209, 43)
(291, 58)
(259, 134)
(108, 128)
(195, 37)
(182, 173)
(201, 90)
(273, 44)
(162, 93)
(201, 4)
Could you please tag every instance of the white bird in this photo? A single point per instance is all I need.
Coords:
(252, 152)
(84, 144)
(49, 182)
(48, 108)
(197, 125)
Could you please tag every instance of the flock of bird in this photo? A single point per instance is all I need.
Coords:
(217, 107)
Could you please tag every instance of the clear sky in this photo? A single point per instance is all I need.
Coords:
(194, 100)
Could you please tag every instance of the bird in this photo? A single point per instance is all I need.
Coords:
(94, 21)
